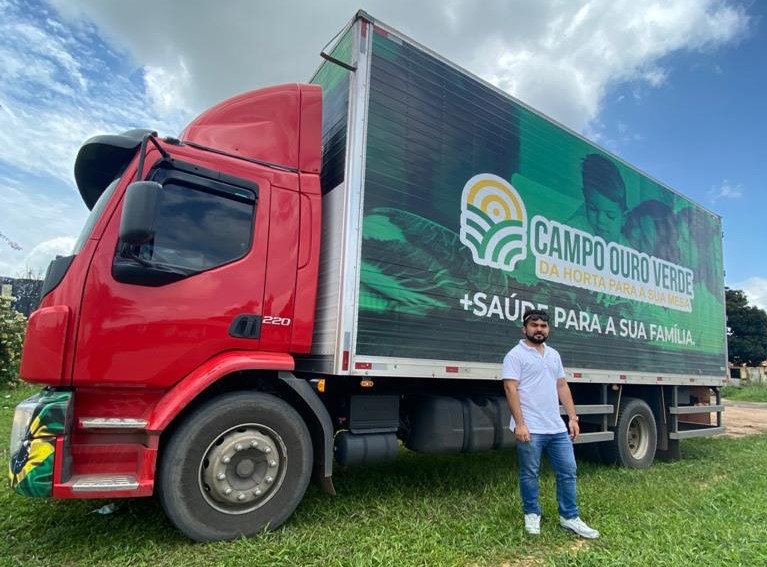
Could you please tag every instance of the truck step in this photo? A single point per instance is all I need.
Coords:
(696, 431)
(684, 422)
(589, 409)
(103, 483)
(684, 410)
(594, 437)
(112, 423)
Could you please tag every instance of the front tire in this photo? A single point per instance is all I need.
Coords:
(236, 466)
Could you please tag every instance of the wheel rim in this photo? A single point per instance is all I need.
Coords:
(638, 437)
(243, 468)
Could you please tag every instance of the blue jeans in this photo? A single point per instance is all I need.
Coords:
(559, 452)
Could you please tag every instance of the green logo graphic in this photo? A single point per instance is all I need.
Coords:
(493, 222)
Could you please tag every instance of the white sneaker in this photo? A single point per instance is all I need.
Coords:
(578, 526)
(533, 524)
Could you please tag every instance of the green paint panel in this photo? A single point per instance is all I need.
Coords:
(476, 208)
(334, 80)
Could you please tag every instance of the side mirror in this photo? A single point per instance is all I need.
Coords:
(139, 209)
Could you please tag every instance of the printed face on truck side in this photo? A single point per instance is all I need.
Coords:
(604, 192)
(604, 215)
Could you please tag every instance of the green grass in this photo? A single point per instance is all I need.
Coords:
(707, 509)
(750, 393)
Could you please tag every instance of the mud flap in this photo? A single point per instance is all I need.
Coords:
(321, 430)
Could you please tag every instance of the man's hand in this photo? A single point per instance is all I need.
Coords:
(574, 428)
(522, 433)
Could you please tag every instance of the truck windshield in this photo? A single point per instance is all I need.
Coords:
(95, 215)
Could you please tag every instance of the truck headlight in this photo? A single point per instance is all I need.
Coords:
(21, 419)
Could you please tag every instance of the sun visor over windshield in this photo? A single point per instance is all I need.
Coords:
(103, 158)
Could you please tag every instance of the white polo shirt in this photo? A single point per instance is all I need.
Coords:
(537, 377)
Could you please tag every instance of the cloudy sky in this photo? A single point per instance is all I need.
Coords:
(675, 87)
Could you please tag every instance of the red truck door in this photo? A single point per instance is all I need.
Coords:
(151, 314)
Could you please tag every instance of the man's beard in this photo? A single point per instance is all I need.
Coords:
(535, 339)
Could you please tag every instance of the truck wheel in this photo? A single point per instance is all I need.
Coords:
(236, 466)
(636, 436)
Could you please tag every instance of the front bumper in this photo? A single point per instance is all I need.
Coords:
(37, 424)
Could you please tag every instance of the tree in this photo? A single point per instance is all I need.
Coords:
(12, 325)
(746, 329)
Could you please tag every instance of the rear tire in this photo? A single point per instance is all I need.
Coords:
(238, 465)
(636, 436)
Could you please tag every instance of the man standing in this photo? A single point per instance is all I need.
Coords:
(534, 381)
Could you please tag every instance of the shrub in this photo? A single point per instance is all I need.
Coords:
(746, 393)
(12, 326)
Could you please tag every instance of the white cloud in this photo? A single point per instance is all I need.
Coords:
(36, 262)
(25, 208)
(726, 190)
(756, 291)
(560, 57)
(56, 93)
(654, 76)
(29, 218)
(78, 69)
(61, 85)
(167, 87)
(588, 46)
(221, 49)
(41, 139)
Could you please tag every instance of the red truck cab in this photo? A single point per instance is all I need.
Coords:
(197, 269)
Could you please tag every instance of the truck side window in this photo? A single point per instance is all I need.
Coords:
(200, 224)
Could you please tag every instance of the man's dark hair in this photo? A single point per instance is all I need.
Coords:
(602, 176)
(534, 314)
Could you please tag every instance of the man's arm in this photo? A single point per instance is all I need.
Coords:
(566, 398)
(521, 432)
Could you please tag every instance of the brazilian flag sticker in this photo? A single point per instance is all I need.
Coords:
(31, 468)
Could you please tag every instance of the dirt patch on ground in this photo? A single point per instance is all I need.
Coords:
(744, 418)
